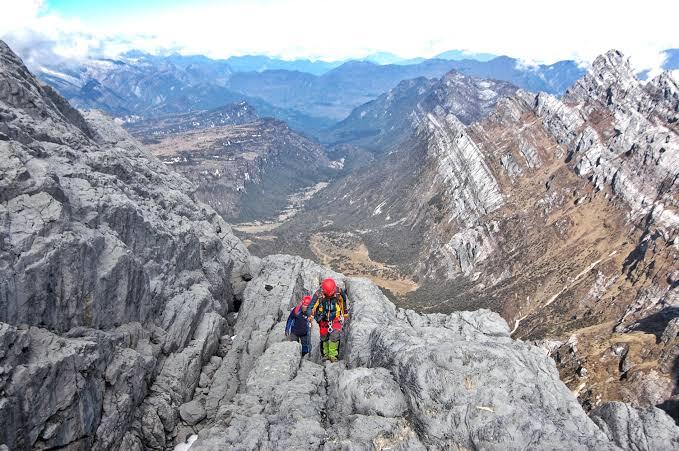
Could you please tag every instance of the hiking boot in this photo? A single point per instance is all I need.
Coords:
(332, 359)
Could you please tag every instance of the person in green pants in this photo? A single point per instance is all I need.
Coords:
(330, 307)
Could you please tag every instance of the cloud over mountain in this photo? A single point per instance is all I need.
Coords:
(350, 28)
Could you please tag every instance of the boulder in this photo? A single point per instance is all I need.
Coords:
(371, 391)
(192, 412)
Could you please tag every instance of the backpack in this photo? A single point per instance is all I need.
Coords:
(333, 308)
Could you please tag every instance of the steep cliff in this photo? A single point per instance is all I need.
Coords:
(114, 282)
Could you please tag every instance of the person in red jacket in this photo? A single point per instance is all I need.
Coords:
(330, 307)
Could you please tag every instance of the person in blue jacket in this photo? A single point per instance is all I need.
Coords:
(298, 325)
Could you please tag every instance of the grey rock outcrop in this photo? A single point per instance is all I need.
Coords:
(192, 412)
(637, 429)
(643, 121)
(408, 381)
(469, 385)
(113, 280)
(371, 391)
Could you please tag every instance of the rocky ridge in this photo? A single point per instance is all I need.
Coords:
(386, 121)
(131, 317)
(407, 381)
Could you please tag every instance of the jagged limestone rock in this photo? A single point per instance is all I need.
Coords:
(120, 278)
(637, 429)
(371, 391)
(413, 380)
(192, 412)
(468, 384)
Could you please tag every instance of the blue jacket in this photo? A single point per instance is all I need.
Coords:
(298, 322)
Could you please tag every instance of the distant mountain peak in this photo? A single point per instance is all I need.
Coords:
(612, 63)
(465, 55)
(357, 63)
(610, 80)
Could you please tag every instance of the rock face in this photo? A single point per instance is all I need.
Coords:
(131, 318)
(560, 214)
(114, 281)
(639, 429)
(192, 412)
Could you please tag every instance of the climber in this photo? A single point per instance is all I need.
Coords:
(330, 307)
(297, 328)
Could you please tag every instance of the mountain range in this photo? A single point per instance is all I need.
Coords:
(380, 123)
(141, 85)
(309, 95)
(147, 87)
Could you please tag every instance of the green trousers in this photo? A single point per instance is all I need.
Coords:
(330, 343)
(331, 349)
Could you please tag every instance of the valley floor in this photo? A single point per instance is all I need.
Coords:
(343, 252)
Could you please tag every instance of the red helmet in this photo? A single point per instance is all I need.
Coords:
(306, 300)
(329, 287)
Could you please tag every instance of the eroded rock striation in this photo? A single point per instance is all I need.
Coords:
(131, 318)
(114, 282)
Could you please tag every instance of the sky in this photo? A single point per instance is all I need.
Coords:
(534, 31)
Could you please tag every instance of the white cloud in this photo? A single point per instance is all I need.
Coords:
(675, 74)
(535, 31)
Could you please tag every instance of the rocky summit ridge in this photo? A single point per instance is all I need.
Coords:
(131, 318)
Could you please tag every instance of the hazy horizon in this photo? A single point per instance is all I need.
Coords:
(532, 31)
